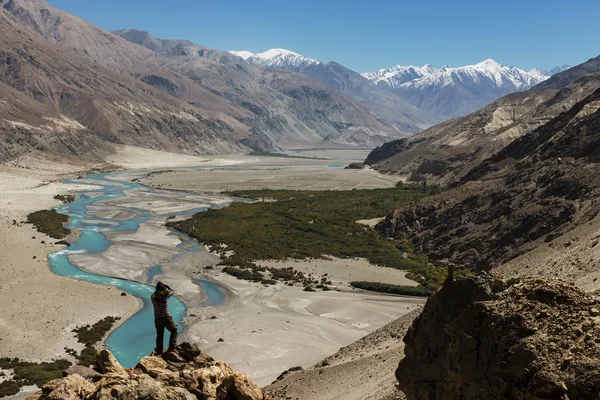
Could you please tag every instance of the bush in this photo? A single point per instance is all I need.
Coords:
(50, 223)
(65, 198)
(392, 289)
(249, 275)
(90, 336)
(309, 289)
(9, 388)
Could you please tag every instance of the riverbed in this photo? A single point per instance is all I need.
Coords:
(260, 330)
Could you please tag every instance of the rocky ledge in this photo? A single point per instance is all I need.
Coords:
(190, 375)
(485, 338)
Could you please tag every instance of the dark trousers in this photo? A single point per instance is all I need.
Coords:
(161, 324)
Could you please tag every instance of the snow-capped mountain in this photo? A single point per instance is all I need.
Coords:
(450, 92)
(387, 105)
(242, 53)
(278, 58)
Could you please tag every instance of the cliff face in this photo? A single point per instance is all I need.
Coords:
(484, 338)
(188, 376)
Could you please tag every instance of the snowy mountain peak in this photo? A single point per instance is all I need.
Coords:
(489, 63)
(448, 92)
(242, 53)
(283, 59)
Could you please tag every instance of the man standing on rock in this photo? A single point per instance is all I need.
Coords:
(163, 319)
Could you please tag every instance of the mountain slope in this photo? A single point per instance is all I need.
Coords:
(445, 153)
(527, 196)
(224, 87)
(281, 108)
(116, 108)
(387, 105)
(450, 92)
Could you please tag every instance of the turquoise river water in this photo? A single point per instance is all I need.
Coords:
(135, 337)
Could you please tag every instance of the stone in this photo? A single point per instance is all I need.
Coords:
(241, 387)
(188, 351)
(152, 366)
(85, 372)
(210, 378)
(69, 388)
(108, 364)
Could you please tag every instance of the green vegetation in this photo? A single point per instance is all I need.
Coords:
(65, 198)
(90, 336)
(50, 222)
(393, 289)
(27, 373)
(258, 152)
(309, 224)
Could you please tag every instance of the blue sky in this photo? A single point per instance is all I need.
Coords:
(369, 35)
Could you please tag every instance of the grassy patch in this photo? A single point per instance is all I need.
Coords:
(49, 222)
(27, 373)
(264, 153)
(310, 224)
(392, 289)
(65, 198)
(90, 336)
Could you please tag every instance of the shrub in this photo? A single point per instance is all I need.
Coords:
(392, 289)
(50, 223)
(65, 198)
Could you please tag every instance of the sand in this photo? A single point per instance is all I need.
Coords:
(343, 271)
(267, 330)
(363, 370)
(312, 177)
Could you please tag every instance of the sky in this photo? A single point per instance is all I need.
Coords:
(369, 35)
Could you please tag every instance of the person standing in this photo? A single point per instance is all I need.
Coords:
(163, 319)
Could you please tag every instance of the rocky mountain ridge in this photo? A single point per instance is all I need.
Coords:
(529, 194)
(445, 153)
(390, 107)
(449, 92)
(203, 101)
(66, 105)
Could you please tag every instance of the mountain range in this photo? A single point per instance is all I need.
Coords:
(130, 87)
(438, 93)
(133, 88)
(450, 92)
(447, 152)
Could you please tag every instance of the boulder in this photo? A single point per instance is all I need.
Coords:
(241, 387)
(485, 338)
(211, 378)
(85, 372)
(71, 387)
(188, 351)
(152, 366)
(108, 364)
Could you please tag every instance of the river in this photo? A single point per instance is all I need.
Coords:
(135, 337)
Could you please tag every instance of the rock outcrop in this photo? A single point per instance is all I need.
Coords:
(190, 375)
(485, 338)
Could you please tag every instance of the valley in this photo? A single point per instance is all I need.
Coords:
(319, 233)
(264, 329)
